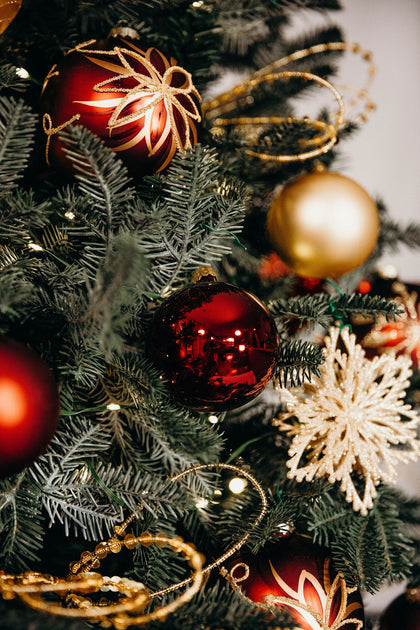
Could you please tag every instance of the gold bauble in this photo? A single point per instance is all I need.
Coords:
(323, 224)
(8, 11)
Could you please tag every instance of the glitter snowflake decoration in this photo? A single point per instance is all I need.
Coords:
(352, 420)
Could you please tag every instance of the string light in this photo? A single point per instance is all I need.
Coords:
(69, 215)
(213, 419)
(22, 73)
(113, 407)
(237, 485)
(35, 247)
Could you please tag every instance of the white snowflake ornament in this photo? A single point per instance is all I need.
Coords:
(352, 420)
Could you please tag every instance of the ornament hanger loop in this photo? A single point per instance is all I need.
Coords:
(231, 100)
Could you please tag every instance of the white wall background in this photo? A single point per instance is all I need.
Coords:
(384, 156)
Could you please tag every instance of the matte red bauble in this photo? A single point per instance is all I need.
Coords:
(403, 612)
(142, 105)
(297, 575)
(216, 345)
(29, 406)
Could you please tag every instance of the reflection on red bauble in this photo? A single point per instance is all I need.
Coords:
(297, 575)
(29, 406)
(142, 105)
(216, 345)
(403, 613)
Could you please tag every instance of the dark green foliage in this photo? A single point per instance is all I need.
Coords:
(375, 547)
(297, 361)
(194, 220)
(17, 125)
(325, 309)
(21, 522)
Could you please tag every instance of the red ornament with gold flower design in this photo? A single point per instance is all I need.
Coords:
(143, 106)
(298, 576)
(401, 336)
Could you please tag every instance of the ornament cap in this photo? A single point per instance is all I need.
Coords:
(204, 274)
(413, 595)
(124, 31)
(319, 167)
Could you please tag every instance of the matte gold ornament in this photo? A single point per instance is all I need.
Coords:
(323, 224)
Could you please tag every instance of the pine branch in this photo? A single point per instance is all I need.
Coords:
(324, 309)
(393, 235)
(15, 293)
(223, 607)
(11, 80)
(172, 438)
(188, 227)
(375, 547)
(21, 530)
(297, 361)
(118, 289)
(21, 215)
(17, 128)
(101, 177)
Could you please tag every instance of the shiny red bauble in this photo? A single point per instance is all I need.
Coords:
(297, 575)
(142, 105)
(403, 612)
(29, 406)
(216, 345)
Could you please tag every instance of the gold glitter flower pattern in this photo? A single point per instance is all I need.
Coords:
(352, 420)
(319, 617)
(145, 90)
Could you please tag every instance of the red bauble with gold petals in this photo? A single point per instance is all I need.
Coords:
(141, 104)
(298, 576)
(216, 344)
(29, 406)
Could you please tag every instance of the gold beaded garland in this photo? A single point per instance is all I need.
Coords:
(31, 586)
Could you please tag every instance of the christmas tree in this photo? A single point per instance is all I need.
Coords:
(198, 356)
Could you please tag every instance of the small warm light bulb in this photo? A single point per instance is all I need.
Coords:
(201, 503)
(35, 246)
(113, 407)
(84, 475)
(22, 73)
(213, 419)
(241, 347)
(201, 331)
(218, 493)
(238, 333)
(237, 485)
(69, 215)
